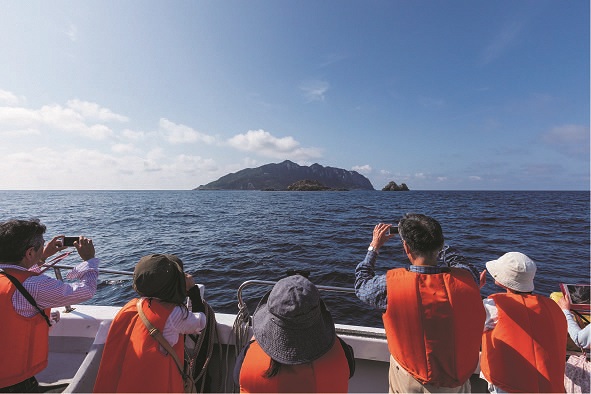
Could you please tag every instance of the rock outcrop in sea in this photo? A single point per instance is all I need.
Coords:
(392, 186)
(279, 176)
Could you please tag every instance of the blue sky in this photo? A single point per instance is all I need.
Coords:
(474, 95)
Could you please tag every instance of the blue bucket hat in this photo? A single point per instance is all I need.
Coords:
(292, 324)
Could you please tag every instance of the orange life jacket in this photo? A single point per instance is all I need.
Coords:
(526, 351)
(24, 341)
(132, 361)
(328, 374)
(434, 324)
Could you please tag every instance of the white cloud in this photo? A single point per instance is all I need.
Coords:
(569, 140)
(314, 90)
(193, 164)
(129, 159)
(53, 116)
(94, 111)
(54, 169)
(180, 134)
(9, 98)
(474, 178)
(420, 175)
(133, 135)
(265, 144)
(122, 148)
(250, 162)
(441, 179)
(364, 169)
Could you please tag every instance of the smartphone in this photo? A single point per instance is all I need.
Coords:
(394, 230)
(69, 241)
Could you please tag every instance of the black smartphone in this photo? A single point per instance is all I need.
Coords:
(394, 230)
(69, 241)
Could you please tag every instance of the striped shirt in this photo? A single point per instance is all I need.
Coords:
(49, 292)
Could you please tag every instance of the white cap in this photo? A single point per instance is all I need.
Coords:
(513, 270)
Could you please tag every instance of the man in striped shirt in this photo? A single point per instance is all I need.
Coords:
(26, 296)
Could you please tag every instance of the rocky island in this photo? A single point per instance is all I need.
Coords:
(392, 186)
(280, 176)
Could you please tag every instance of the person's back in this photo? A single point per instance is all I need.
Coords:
(134, 361)
(433, 325)
(327, 374)
(524, 342)
(295, 347)
(433, 313)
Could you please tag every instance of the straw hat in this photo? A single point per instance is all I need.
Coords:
(291, 322)
(513, 270)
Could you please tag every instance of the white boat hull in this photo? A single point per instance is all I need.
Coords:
(76, 344)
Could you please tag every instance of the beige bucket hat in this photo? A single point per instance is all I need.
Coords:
(513, 270)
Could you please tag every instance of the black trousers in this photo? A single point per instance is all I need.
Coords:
(29, 385)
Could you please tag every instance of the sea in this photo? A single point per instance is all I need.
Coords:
(228, 237)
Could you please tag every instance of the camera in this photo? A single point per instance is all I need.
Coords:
(69, 241)
(393, 229)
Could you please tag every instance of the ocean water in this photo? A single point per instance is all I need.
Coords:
(228, 237)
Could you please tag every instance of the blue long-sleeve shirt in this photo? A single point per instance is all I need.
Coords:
(371, 288)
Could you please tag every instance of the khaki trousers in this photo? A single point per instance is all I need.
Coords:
(403, 382)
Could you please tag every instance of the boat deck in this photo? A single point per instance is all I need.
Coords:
(77, 340)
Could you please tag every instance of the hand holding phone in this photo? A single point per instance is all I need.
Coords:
(69, 241)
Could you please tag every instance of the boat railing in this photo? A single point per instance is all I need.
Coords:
(58, 274)
(241, 304)
(271, 283)
(340, 330)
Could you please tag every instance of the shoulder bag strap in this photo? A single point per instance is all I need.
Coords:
(157, 335)
(580, 315)
(26, 294)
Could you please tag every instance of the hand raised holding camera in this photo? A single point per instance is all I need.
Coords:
(85, 248)
(52, 247)
(381, 233)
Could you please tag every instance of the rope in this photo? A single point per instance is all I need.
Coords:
(240, 330)
(192, 354)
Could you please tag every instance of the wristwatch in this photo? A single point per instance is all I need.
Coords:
(372, 249)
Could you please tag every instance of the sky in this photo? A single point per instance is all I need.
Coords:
(440, 95)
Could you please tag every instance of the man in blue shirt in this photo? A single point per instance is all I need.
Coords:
(434, 304)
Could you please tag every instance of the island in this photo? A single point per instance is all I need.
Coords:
(280, 176)
(307, 185)
(393, 187)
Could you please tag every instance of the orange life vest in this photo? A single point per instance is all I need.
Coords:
(328, 374)
(132, 361)
(434, 324)
(526, 351)
(24, 341)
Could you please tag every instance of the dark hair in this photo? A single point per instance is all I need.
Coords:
(16, 236)
(274, 367)
(422, 234)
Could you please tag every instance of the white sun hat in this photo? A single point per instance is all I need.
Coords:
(513, 270)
